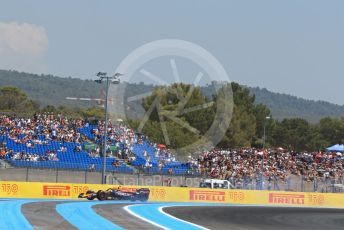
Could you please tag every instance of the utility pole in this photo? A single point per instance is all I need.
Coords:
(262, 170)
(115, 80)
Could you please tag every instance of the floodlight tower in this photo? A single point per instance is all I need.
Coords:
(262, 173)
(114, 80)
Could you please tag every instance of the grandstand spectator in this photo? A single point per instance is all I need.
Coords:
(131, 158)
(77, 148)
(116, 163)
(92, 168)
(160, 166)
(148, 166)
(94, 153)
(168, 182)
(3, 152)
(63, 149)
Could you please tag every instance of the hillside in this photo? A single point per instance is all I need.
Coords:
(52, 90)
(286, 106)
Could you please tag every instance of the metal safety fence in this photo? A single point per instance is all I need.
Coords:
(146, 177)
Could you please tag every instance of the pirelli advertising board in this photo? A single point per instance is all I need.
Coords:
(11, 189)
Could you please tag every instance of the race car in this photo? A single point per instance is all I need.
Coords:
(141, 194)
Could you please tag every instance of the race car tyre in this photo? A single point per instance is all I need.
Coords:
(90, 198)
(101, 195)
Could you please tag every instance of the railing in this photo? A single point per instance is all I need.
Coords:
(72, 174)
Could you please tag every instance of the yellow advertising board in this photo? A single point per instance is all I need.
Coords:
(12, 189)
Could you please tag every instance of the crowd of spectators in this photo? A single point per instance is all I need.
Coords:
(244, 163)
(45, 127)
(119, 142)
(123, 138)
(279, 164)
(39, 129)
(28, 130)
(48, 156)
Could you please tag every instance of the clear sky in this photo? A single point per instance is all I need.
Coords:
(294, 46)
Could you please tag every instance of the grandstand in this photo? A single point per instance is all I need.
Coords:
(66, 160)
(44, 151)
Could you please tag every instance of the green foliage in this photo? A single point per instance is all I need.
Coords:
(261, 112)
(292, 134)
(94, 112)
(178, 137)
(13, 99)
(306, 125)
(242, 128)
(52, 90)
(167, 106)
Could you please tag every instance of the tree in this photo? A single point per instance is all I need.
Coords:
(241, 131)
(94, 112)
(166, 108)
(316, 142)
(11, 98)
(329, 130)
(261, 112)
(293, 134)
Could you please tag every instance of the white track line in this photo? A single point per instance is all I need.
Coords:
(173, 217)
(142, 218)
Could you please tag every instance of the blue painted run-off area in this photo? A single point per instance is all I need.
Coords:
(82, 216)
(11, 216)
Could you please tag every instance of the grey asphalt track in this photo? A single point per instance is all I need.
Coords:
(42, 215)
(116, 214)
(261, 218)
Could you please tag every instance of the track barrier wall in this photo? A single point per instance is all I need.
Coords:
(12, 189)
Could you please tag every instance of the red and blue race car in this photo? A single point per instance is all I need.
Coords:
(141, 194)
